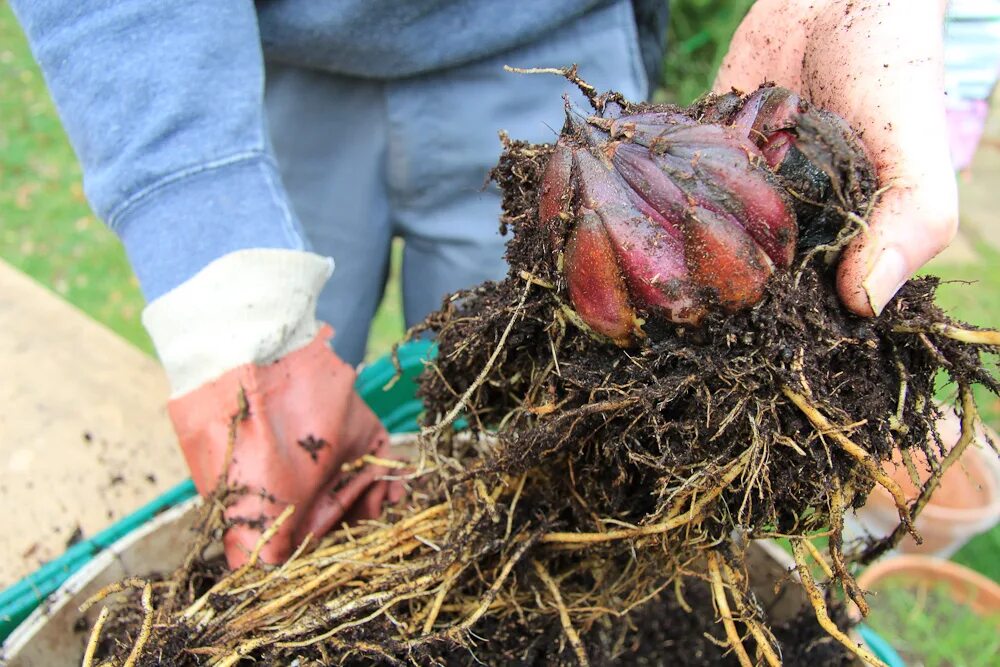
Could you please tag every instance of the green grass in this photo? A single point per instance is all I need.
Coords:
(387, 327)
(48, 231)
(982, 554)
(928, 627)
(971, 293)
(46, 228)
(697, 40)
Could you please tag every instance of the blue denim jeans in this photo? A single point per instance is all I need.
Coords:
(367, 161)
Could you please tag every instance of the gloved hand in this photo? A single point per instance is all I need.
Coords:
(241, 346)
(879, 65)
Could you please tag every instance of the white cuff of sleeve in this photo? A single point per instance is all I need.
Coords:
(250, 306)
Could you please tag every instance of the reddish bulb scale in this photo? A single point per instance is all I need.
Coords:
(666, 216)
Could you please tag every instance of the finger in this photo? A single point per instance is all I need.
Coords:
(240, 541)
(881, 71)
(333, 503)
(756, 54)
(363, 433)
(238, 544)
(248, 518)
(395, 490)
(912, 222)
(369, 506)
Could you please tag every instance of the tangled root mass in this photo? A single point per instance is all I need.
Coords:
(603, 507)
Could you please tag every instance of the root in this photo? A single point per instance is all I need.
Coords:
(147, 625)
(719, 595)
(763, 637)
(456, 632)
(871, 466)
(971, 336)
(435, 608)
(95, 635)
(145, 628)
(570, 73)
(571, 634)
(226, 581)
(818, 602)
(838, 505)
(679, 595)
(483, 374)
(676, 520)
(818, 557)
(111, 589)
(857, 225)
(969, 419)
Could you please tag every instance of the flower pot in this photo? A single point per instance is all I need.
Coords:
(933, 611)
(965, 586)
(966, 503)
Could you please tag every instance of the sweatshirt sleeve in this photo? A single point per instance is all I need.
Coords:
(163, 103)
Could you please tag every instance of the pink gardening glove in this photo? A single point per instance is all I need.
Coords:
(879, 65)
(240, 338)
(303, 422)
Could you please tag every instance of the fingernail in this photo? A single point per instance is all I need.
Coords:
(886, 277)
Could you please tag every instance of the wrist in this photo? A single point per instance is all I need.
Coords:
(247, 307)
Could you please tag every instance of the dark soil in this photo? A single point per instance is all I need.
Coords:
(659, 634)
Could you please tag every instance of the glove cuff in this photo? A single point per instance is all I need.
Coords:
(250, 306)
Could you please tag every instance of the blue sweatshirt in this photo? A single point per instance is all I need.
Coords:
(163, 101)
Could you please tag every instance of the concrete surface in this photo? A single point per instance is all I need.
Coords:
(84, 436)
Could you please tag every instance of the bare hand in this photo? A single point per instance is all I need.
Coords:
(879, 65)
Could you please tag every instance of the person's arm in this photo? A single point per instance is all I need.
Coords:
(878, 64)
(163, 103)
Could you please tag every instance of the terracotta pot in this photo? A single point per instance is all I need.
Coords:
(966, 503)
(966, 586)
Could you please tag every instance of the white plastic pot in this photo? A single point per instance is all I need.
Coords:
(47, 638)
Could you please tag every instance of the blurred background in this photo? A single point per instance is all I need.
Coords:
(48, 231)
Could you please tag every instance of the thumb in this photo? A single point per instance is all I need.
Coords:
(913, 221)
(879, 66)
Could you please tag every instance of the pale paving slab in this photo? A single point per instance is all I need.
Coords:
(84, 435)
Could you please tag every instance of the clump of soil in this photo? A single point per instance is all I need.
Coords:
(604, 504)
(646, 418)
